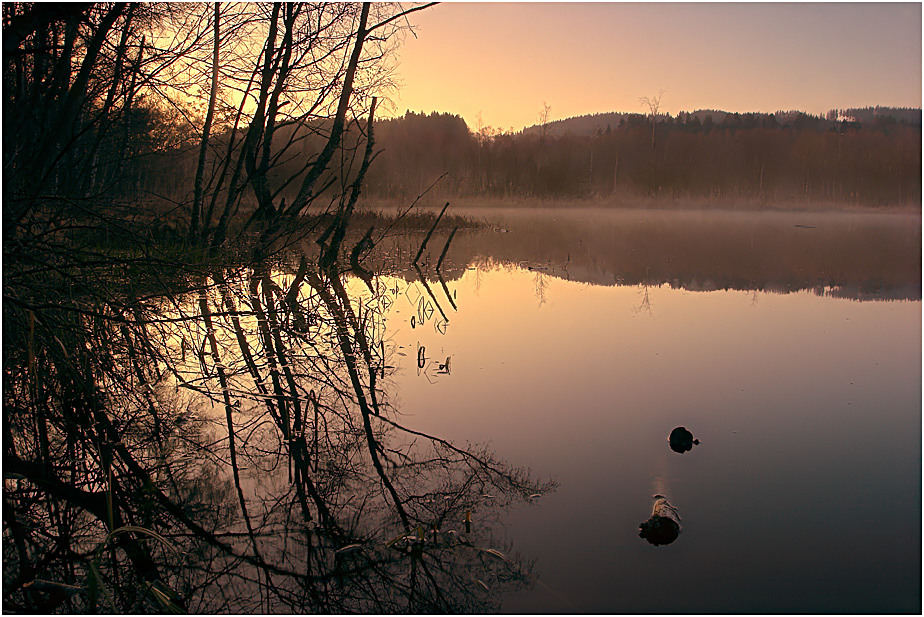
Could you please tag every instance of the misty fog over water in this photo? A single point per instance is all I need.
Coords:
(578, 340)
(272, 346)
(860, 255)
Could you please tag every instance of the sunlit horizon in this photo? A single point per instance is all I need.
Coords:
(497, 64)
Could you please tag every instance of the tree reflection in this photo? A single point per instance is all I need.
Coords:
(191, 423)
(234, 450)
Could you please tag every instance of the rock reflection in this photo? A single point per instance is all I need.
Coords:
(265, 471)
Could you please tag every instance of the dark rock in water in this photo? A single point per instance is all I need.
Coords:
(664, 525)
(681, 440)
(659, 530)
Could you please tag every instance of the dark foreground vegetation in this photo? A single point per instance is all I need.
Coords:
(194, 417)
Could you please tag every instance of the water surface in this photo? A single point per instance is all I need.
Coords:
(805, 492)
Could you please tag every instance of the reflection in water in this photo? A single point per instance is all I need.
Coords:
(645, 304)
(240, 450)
(250, 461)
(848, 254)
(449, 296)
(774, 388)
(663, 526)
(541, 287)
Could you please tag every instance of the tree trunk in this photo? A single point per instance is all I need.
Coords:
(206, 128)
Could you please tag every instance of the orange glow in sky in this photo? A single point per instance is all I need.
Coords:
(503, 60)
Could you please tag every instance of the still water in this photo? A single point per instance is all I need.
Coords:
(804, 494)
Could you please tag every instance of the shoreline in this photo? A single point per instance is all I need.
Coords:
(635, 204)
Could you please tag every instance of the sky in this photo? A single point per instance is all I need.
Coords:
(500, 62)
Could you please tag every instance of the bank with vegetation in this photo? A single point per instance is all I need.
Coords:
(194, 418)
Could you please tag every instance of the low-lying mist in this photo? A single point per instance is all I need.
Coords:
(858, 255)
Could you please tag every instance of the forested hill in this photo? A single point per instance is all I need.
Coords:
(869, 157)
(592, 124)
(855, 158)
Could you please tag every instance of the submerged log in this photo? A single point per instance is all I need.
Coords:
(663, 526)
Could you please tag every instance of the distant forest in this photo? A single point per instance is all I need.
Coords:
(857, 157)
(866, 157)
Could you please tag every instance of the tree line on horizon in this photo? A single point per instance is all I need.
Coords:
(121, 129)
(589, 124)
(789, 156)
(869, 157)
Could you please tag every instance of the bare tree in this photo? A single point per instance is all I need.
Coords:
(653, 104)
(207, 126)
(544, 118)
(192, 432)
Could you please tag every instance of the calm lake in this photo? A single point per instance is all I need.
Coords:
(573, 342)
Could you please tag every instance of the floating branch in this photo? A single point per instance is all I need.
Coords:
(430, 291)
(439, 275)
(446, 248)
(423, 244)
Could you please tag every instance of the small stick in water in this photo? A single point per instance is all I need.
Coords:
(446, 248)
(423, 245)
